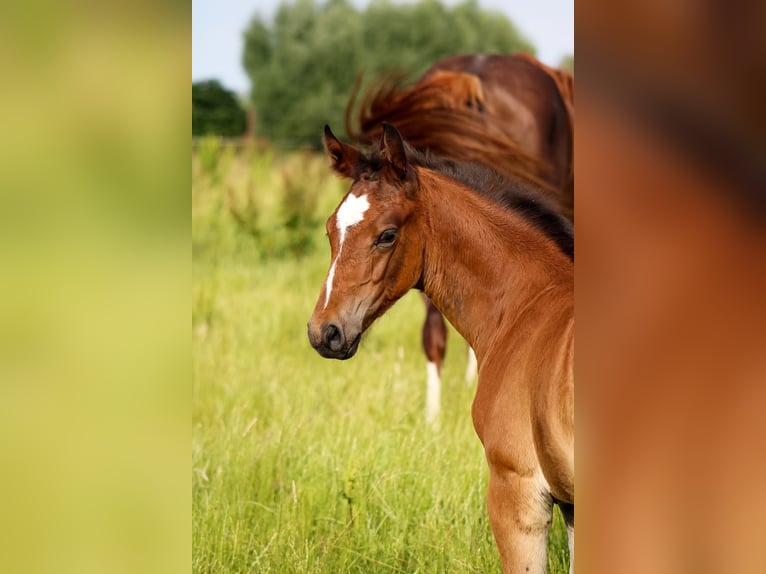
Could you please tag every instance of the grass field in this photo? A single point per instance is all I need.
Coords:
(302, 464)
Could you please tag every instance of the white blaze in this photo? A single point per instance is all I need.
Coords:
(349, 214)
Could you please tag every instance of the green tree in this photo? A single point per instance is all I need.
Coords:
(303, 64)
(216, 111)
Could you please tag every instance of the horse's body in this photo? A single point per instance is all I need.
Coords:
(503, 276)
(510, 113)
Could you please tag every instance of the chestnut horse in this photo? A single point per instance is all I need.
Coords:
(508, 112)
(496, 259)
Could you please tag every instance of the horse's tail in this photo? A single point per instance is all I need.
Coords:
(432, 115)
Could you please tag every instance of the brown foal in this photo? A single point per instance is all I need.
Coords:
(503, 276)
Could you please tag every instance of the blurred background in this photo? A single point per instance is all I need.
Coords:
(95, 352)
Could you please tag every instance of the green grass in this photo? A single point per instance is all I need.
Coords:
(303, 464)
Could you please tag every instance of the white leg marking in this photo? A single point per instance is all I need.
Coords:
(472, 366)
(570, 534)
(433, 392)
(349, 214)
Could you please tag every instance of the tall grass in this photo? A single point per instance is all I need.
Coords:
(301, 464)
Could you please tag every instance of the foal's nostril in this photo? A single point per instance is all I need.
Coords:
(333, 337)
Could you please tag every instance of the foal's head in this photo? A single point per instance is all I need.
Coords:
(375, 245)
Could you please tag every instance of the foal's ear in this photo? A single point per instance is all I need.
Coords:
(343, 157)
(392, 150)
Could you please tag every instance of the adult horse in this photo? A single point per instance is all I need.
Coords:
(508, 112)
(496, 259)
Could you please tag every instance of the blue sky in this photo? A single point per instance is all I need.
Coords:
(217, 27)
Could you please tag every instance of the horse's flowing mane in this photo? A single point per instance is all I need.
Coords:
(423, 119)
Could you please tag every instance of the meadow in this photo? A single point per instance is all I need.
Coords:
(299, 463)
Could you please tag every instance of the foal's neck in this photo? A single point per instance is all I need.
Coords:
(485, 266)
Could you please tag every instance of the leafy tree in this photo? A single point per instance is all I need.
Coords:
(303, 64)
(216, 111)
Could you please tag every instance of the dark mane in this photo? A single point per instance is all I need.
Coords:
(518, 195)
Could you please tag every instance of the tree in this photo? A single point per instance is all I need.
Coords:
(216, 111)
(303, 64)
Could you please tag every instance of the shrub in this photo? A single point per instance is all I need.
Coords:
(216, 111)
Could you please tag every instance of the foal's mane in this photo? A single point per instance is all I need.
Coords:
(517, 195)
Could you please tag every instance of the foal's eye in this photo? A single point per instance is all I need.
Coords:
(386, 239)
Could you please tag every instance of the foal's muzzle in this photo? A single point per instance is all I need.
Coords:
(331, 341)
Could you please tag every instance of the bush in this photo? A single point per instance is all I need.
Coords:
(253, 202)
(216, 111)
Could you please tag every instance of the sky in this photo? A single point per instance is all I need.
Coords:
(217, 27)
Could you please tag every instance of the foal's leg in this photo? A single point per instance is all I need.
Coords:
(520, 514)
(567, 511)
(434, 345)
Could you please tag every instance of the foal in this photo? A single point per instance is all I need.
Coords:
(503, 276)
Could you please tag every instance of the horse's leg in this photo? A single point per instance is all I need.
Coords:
(567, 511)
(471, 367)
(434, 345)
(520, 514)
